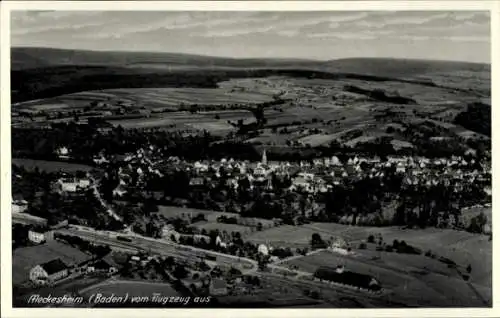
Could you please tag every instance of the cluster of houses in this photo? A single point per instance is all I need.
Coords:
(210, 278)
(318, 176)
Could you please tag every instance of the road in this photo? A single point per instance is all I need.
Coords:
(27, 219)
(98, 196)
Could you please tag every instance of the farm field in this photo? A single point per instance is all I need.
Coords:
(151, 98)
(50, 166)
(165, 97)
(211, 216)
(462, 247)
(210, 121)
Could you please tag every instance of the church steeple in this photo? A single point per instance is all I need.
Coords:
(264, 157)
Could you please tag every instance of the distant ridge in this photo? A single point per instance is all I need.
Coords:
(393, 67)
(35, 57)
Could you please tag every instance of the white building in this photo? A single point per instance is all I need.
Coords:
(19, 206)
(63, 153)
(263, 249)
(36, 237)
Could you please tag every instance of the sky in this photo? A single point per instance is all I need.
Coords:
(324, 35)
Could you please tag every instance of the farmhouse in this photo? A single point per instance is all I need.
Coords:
(49, 272)
(26, 258)
(105, 266)
(19, 206)
(36, 237)
(340, 276)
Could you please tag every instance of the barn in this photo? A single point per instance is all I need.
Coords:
(340, 276)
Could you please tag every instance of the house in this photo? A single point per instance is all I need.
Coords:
(100, 160)
(62, 153)
(167, 232)
(262, 249)
(49, 272)
(218, 287)
(197, 181)
(71, 184)
(104, 266)
(36, 237)
(340, 276)
(119, 191)
(400, 168)
(19, 206)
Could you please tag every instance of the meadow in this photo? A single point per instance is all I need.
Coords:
(210, 121)
(404, 277)
(462, 247)
(244, 224)
(285, 235)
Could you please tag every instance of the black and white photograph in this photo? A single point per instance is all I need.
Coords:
(253, 158)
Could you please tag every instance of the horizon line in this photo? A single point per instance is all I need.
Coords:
(251, 58)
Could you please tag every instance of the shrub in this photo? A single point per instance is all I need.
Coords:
(371, 239)
(395, 244)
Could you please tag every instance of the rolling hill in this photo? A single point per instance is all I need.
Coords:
(45, 72)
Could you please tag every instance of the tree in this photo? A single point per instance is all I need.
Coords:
(259, 226)
(180, 272)
(371, 239)
(317, 241)
(315, 294)
(395, 244)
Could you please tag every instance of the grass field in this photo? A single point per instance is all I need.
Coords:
(286, 235)
(462, 247)
(50, 166)
(406, 277)
(164, 97)
(387, 277)
(208, 226)
(211, 216)
(210, 121)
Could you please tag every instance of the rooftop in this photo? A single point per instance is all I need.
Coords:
(54, 266)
